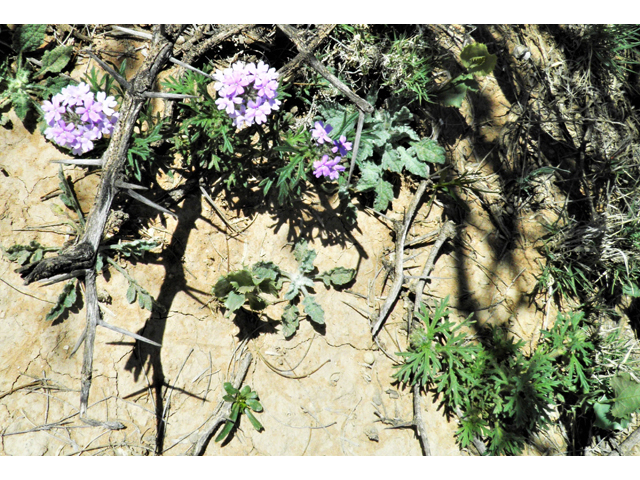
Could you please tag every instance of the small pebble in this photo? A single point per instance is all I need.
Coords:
(369, 358)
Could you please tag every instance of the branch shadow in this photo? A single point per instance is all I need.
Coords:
(146, 357)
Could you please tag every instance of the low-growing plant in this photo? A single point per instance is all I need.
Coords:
(243, 401)
(248, 287)
(389, 145)
(21, 85)
(503, 395)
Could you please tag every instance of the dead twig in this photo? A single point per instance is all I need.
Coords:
(401, 236)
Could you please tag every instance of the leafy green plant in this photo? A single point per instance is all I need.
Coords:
(249, 286)
(388, 146)
(503, 395)
(243, 401)
(407, 67)
(21, 85)
(478, 61)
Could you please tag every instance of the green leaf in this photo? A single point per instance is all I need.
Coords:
(384, 195)
(55, 60)
(27, 38)
(313, 310)
(65, 301)
(131, 293)
(627, 395)
(428, 150)
(304, 256)
(290, 320)
(256, 302)
(222, 288)
(477, 59)
(337, 276)
(605, 420)
(242, 279)
(392, 160)
(230, 389)
(254, 404)
(21, 104)
(370, 175)
(266, 270)
(455, 93)
(234, 301)
(254, 421)
(632, 290)
(225, 431)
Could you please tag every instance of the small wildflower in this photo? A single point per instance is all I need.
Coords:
(321, 132)
(247, 93)
(328, 168)
(341, 146)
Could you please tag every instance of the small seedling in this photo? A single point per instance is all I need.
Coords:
(244, 401)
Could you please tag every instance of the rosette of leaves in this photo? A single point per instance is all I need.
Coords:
(478, 61)
(247, 287)
(244, 401)
(389, 145)
(19, 84)
(302, 281)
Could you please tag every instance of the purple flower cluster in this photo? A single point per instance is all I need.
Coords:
(327, 167)
(247, 92)
(76, 118)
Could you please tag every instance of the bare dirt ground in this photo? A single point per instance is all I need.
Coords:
(321, 393)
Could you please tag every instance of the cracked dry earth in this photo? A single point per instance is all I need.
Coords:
(323, 392)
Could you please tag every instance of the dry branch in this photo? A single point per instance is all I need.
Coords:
(401, 236)
(80, 258)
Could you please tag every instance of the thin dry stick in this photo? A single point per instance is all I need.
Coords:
(401, 237)
(448, 231)
(226, 407)
(625, 447)
(419, 422)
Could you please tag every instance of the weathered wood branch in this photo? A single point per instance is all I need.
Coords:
(401, 236)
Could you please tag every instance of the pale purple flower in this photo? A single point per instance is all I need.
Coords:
(76, 118)
(341, 146)
(76, 94)
(245, 103)
(321, 132)
(328, 168)
(53, 110)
